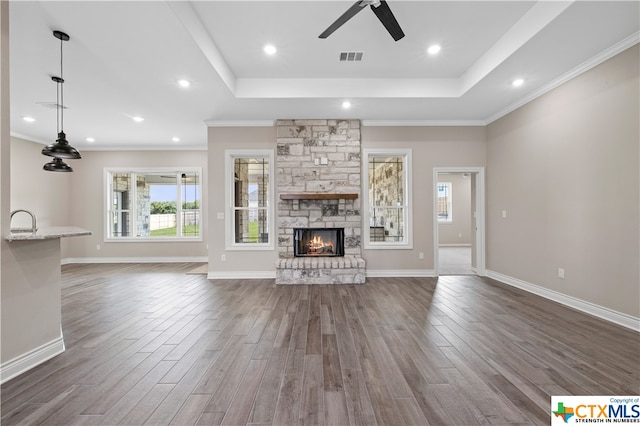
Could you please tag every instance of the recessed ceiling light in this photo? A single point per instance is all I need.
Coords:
(346, 105)
(432, 50)
(137, 119)
(90, 139)
(270, 49)
(518, 82)
(175, 139)
(28, 119)
(184, 83)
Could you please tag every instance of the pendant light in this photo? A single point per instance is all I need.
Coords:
(61, 148)
(57, 165)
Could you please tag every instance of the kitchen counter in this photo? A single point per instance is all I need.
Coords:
(31, 305)
(48, 233)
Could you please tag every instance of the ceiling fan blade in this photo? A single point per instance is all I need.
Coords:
(350, 13)
(385, 16)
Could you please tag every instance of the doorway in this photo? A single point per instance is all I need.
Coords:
(458, 200)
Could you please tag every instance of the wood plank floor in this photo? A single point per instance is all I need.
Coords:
(150, 344)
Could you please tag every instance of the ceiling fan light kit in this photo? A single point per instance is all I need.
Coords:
(61, 148)
(381, 10)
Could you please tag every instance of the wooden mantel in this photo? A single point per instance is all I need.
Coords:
(317, 196)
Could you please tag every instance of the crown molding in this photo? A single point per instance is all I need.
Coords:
(176, 147)
(240, 123)
(605, 55)
(29, 138)
(425, 123)
(98, 147)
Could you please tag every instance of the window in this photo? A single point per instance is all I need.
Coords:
(250, 197)
(387, 212)
(153, 204)
(445, 212)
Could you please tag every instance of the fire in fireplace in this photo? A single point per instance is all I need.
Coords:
(318, 242)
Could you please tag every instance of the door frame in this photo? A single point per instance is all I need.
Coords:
(479, 215)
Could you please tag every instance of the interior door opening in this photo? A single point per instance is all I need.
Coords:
(459, 221)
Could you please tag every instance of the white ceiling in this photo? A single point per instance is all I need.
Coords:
(124, 59)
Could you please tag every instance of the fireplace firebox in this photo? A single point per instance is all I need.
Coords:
(312, 242)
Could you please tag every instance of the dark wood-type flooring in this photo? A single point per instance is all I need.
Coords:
(149, 344)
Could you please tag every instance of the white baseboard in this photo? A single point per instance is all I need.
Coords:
(607, 314)
(390, 273)
(454, 245)
(197, 259)
(240, 275)
(31, 359)
(380, 273)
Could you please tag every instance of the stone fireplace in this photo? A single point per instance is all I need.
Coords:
(318, 188)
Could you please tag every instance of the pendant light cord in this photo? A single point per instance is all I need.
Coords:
(58, 107)
(61, 92)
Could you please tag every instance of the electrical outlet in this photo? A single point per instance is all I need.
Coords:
(223, 258)
(421, 256)
(220, 216)
(504, 214)
(561, 273)
(97, 246)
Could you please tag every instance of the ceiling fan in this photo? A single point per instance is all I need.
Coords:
(379, 7)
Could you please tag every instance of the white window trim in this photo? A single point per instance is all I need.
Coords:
(407, 244)
(141, 170)
(449, 220)
(229, 223)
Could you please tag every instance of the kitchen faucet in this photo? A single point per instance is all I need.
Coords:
(33, 221)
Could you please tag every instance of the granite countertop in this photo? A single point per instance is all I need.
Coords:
(48, 233)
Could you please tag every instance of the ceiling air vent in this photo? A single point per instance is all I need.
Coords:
(351, 56)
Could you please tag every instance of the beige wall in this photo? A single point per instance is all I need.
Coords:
(221, 139)
(5, 115)
(565, 167)
(77, 199)
(431, 147)
(87, 204)
(46, 194)
(458, 231)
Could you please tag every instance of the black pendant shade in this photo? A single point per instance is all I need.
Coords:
(61, 148)
(57, 165)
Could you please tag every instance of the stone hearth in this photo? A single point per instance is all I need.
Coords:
(318, 186)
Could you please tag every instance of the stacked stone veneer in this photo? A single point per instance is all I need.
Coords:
(300, 145)
(143, 198)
